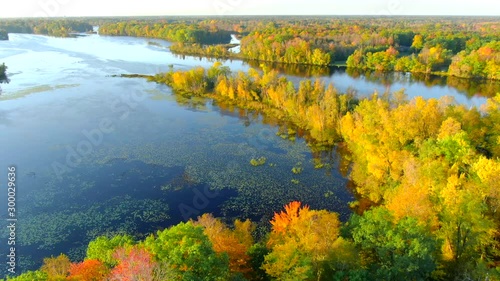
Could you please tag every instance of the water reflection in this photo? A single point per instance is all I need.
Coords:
(3, 79)
(415, 83)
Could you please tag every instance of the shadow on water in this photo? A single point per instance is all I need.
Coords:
(119, 196)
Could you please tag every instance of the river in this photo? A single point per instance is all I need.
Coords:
(97, 154)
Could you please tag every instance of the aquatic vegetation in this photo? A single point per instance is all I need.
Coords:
(34, 90)
(297, 169)
(258, 161)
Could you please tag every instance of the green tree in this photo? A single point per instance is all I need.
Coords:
(394, 251)
(3, 70)
(189, 253)
(102, 248)
(30, 276)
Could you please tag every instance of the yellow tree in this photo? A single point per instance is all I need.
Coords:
(301, 242)
(56, 268)
(234, 242)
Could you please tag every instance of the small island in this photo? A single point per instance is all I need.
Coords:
(4, 35)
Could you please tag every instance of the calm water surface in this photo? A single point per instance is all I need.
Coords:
(97, 154)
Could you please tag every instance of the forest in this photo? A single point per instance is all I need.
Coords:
(426, 174)
(465, 47)
(4, 35)
(57, 28)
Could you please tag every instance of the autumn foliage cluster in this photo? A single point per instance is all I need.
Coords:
(465, 47)
(429, 170)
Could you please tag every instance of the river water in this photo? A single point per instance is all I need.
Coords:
(97, 154)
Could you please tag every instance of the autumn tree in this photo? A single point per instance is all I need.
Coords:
(88, 270)
(56, 268)
(301, 242)
(235, 243)
(418, 42)
(134, 263)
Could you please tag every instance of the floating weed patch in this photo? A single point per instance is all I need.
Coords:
(34, 90)
(297, 169)
(258, 161)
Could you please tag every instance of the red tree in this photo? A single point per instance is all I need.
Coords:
(89, 270)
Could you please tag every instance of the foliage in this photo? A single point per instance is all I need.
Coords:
(394, 251)
(52, 27)
(37, 275)
(478, 63)
(258, 161)
(235, 243)
(56, 268)
(134, 263)
(88, 270)
(103, 248)
(301, 242)
(188, 252)
(216, 51)
(312, 106)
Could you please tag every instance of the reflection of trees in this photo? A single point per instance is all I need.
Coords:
(468, 87)
(472, 87)
(300, 70)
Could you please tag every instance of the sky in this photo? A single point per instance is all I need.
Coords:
(72, 8)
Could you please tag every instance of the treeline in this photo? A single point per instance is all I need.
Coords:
(4, 35)
(177, 31)
(418, 44)
(302, 244)
(483, 62)
(52, 27)
(286, 49)
(456, 46)
(195, 49)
